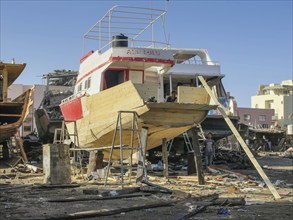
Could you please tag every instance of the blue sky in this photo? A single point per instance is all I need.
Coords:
(251, 39)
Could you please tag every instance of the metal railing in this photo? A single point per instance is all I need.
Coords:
(137, 23)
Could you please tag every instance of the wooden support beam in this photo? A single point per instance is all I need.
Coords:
(240, 140)
(197, 156)
(95, 161)
(20, 144)
(158, 187)
(5, 150)
(92, 166)
(141, 156)
(5, 85)
(229, 201)
(165, 158)
(100, 159)
(10, 115)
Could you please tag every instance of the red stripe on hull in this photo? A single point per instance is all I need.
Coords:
(86, 56)
(72, 110)
(93, 70)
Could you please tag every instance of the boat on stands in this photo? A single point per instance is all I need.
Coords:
(130, 72)
(48, 117)
(12, 113)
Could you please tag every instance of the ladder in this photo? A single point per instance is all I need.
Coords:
(62, 134)
(186, 141)
(58, 136)
(201, 132)
(134, 128)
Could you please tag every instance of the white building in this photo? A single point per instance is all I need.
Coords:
(278, 97)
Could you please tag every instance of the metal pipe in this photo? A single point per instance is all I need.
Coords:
(170, 81)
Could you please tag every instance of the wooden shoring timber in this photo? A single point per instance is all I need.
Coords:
(197, 157)
(141, 168)
(19, 142)
(165, 158)
(240, 139)
(5, 85)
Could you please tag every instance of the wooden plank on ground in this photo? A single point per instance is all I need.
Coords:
(77, 199)
(98, 213)
(240, 140)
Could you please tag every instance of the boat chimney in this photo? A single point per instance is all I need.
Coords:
(120, 41)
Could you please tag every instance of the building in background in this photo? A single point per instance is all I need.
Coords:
(257, 118)
(278, 97)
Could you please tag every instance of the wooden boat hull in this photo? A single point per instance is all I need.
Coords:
(95, 117)
(13, 70)
(12, 114)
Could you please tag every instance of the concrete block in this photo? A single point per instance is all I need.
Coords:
(56, 164)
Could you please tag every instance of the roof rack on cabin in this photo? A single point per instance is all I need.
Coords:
(137, 25)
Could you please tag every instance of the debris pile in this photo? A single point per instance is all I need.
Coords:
(234, 159)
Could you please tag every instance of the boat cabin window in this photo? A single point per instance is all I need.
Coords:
(114, 77)
(79, 88)
(87, 84)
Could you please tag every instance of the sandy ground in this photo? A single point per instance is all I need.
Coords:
(23, 197)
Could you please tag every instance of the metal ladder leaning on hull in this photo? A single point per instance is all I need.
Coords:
(187, 142)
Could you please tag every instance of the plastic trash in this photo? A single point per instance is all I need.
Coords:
(222, 211)
(242, 210)
(160, 165)
(280, 183)
(248, 190)
(113, 193)
(262, 184)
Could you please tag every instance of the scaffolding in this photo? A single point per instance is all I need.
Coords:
(141, 168)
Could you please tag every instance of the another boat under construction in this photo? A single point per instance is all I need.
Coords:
(48, 117)
(12, 113)
(129, 73)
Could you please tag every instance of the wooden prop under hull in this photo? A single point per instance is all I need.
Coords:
(12, 114)
(163, 120)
